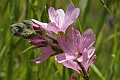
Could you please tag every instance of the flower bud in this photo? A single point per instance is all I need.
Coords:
(20, 30)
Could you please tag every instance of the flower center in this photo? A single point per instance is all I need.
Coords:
(78, 54)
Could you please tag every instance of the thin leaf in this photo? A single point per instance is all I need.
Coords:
(96, 70)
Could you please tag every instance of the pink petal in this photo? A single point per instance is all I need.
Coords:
(81, 44)
(47, 53)
(42, 58)
(65, 43)
(70, 16)
(43, 25)
(36, 27)
(61, 16)
(52, 12)
(47, 49)
(37, 42)
(92, 59)
(60, 58)
(73, 77)
(64, 57)
(80, 59)
(71, 64)
(87, 64)
(85, 55)
(52, 27)
(89, 38)
(75, 35)
(91, 52)
(56, 16)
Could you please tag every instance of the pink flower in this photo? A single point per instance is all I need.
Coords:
(48, 51)
(60, 21)
(78, 47)
(73, 77)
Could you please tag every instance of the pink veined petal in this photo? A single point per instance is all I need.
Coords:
(60, 58)
(75, 36)
(60, 19)
(70, 16)
(91, 52)
(70, 8)
(42, 58)
(47, 53)
(65, 56)
(61, 41)
(43, 25)
(92, 59)
(85, 58)
(56, 16)
(52, 13)
(37, 42)
(47, 49)
(52, 27)
(73, 77)
(87, 64)
(71, 64)
(85, 55)
(81, 44)
(72, 53)
(80, 59)
(65, 43)
(89, 38)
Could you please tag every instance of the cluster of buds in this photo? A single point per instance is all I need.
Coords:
(29, 30)
(75, 52)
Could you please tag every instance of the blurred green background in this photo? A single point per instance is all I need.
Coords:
(16, 53)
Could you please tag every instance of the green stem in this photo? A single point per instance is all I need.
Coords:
(105, 6)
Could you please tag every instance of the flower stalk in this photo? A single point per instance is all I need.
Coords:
(83, 72)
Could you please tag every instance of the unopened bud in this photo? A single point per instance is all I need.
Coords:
(20, 29)
(36, 27)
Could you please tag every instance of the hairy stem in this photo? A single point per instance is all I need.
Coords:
(84, 72)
